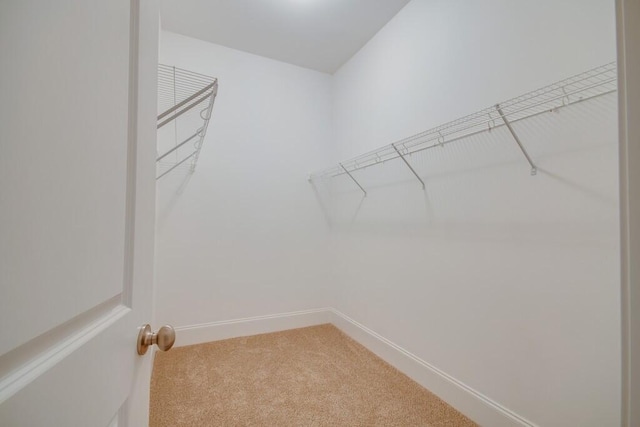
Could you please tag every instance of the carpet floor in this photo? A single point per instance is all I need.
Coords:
(315, 376)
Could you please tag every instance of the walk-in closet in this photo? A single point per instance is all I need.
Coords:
(319, 213)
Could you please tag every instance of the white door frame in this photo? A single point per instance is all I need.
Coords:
(146, 28)
(628, 32)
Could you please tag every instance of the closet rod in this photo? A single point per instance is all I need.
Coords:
(177, 164)
(591, 84)
(179, 145)
(203, 98)
(185, 99)
(448, 141)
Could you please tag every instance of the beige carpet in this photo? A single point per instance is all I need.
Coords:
(314, 376)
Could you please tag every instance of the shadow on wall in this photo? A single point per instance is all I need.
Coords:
(481, 185)
(177, 182)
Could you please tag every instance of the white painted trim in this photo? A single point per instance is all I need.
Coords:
(628, 36)
(465, 399)
(472, 403)
(214, 331)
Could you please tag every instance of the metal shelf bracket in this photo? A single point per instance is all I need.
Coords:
(534, 169)
(406, 162)
(354, 180)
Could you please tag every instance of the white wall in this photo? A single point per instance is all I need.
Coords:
(243, 236)
(507, 282)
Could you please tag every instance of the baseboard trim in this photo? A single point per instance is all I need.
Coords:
(470, 402)
(215, 331)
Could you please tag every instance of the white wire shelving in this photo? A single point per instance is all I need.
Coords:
(185, 103)
(579, 88)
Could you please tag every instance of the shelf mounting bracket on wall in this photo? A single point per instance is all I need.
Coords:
(534, 169)
(406, 162)
(354, 180)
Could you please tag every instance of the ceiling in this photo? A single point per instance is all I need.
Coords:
(317, 34)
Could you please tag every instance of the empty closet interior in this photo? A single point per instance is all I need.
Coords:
(447, 196)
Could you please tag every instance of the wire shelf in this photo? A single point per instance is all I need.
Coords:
(582, 87)
(185, 103)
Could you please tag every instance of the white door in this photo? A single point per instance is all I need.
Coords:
(77, 195)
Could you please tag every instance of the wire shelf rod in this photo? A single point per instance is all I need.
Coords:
(179, 145)
(334, 172)
(507, 113)
(499, 125)
(189, 99)
(487, 121)
(594, 83)
(189, 107)
(184, 98)
(177, 164)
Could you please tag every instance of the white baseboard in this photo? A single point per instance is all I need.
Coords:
(473, 404)
(215, 331)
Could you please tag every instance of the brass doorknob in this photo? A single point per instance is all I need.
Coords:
(164, 338)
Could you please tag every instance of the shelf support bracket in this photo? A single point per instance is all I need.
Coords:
(406, 162)
(534, 169)
(354, 180)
